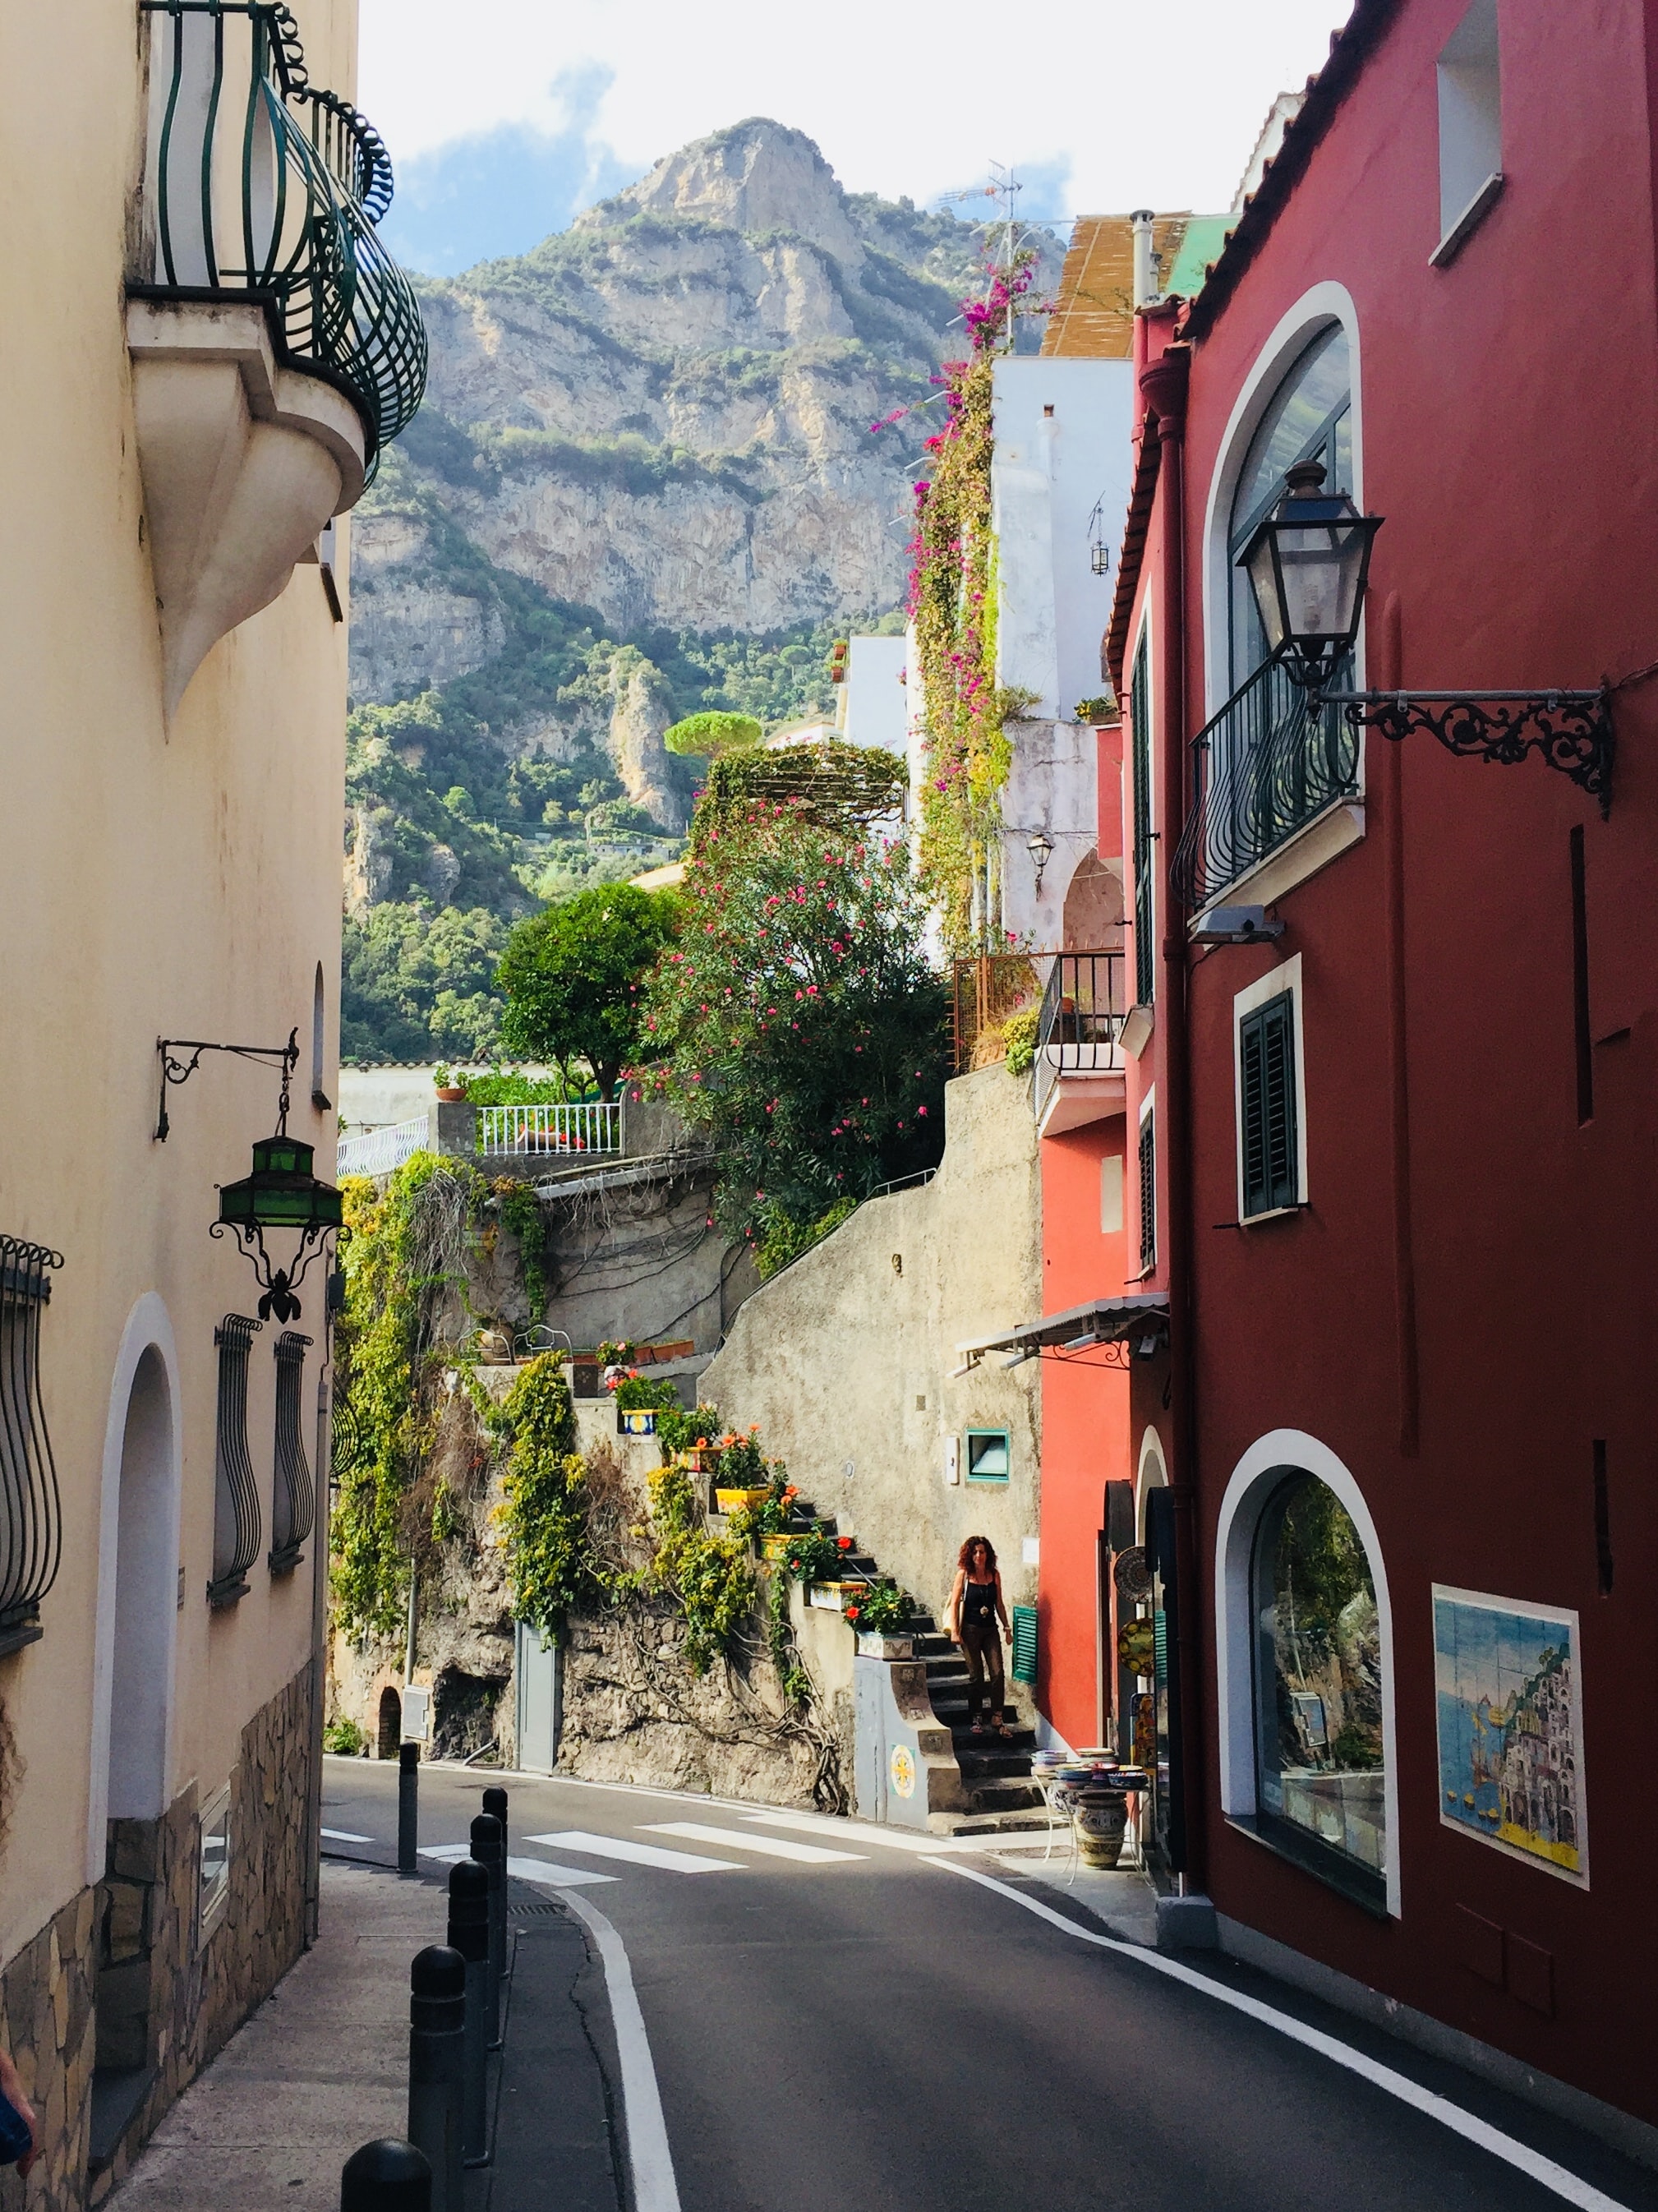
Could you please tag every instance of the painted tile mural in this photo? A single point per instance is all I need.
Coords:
(1510, 1708)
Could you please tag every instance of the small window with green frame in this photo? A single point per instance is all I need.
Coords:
(987, 1457)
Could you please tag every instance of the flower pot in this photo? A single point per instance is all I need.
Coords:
(1099, 1822)
(828, 1597)
(635, 1420)
(728, 1501)
(875, 1643)
(452, 1095)
(775, 1546)
(700, 1459)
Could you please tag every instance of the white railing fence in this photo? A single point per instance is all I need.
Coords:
(378, 1151)
(592, 1129)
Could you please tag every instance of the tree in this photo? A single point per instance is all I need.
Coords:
(716, 733)
(571, 977)
(796, 1018)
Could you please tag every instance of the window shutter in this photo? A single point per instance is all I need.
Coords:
(1148, 1196)
(1139, 714)
(1266, 1076)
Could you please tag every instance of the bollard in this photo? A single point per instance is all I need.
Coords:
(489, 1851)
(387, 2176)
(494, 1801)
(437, 2067)
(408, 1806)
(469, 1933)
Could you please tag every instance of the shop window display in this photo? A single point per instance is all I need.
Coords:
(1319, 1755)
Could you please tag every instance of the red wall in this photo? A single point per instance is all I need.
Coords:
(1510, 431)
(1084, 1430)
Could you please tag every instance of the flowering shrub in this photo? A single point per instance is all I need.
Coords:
(678, 1430)
(879, 1609)
(635, 1393)
(798, 1024)
(814, 1557)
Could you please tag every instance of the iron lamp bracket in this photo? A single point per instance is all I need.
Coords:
(278, 1285)
(177, 1069)
(1572, 730)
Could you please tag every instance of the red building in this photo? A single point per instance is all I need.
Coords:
(1393, 1131)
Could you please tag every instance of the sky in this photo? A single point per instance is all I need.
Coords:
(506, 117)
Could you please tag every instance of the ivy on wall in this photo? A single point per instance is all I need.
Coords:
(544, 1517)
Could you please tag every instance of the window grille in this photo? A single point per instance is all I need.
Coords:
(1139, 713)
(1148, 1197)
(236, 1497)
(31, 1520)
(1266, 1083)
(291, 1499)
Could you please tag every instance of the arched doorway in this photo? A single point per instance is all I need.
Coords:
(1093, 906)
(390, 1734)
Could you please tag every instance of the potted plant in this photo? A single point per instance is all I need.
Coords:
(744, 1480)
(876, 1611)
(691, 1438)
(766, 1518)
(639, 1402)
(450, 1092)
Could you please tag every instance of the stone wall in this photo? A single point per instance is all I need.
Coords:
(117, 1981)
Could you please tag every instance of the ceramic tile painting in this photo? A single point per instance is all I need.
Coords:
(1510, 1714)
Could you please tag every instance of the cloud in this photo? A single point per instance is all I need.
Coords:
(502, 190)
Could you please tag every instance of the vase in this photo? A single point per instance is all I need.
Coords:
(728, 1501)
(1099, 1822)
(635, 1420)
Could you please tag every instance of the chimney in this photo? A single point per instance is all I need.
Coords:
(1145, 278)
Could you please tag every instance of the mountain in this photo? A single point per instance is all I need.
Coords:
(643, 482)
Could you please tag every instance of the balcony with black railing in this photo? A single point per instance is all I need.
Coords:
(1272, 761)
(1079, 1037)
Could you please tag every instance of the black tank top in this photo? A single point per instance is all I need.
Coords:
(979, 1603)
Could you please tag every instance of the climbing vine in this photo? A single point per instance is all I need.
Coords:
(521, 1210)
(712, 1578)
(952, 607)
(543, 1515)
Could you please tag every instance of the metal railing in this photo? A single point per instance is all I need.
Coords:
(1079, 1030)
(984, 992)
(594, 1127)
(1270, 761)
(31, 1513)
(379, 1152)
(261, 184)
(292, 1498)
(236, 1520)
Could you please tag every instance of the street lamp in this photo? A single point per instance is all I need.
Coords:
(1040, 846)
(1307, 564)
(282, 1192)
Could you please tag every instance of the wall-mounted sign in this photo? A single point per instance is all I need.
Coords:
(416, 1714)
(1509, 1696)
(902, 1769)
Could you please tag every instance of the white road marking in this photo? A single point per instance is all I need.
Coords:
(891, 1839)
(1513, 2152)
(650, 1855)
(649, 2157)
(344, 1836)
(772, 1847)
(542, 1870)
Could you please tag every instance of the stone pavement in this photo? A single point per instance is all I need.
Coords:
(322, 2066)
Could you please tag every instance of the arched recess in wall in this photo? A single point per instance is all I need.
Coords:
(1326, 311)
(1324, 1693)
(1093, 906)
(1153, 1474)
(137, 1583)
(319, 1097)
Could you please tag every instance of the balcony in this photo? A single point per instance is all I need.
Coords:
(535, 1140)
(276, 346)
(1077, 1075)
(1267, 765)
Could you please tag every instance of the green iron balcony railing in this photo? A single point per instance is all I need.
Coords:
(261, 186)
(1271, 760)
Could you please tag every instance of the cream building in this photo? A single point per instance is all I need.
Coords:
(204, 349)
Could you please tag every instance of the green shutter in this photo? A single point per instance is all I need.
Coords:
(1267, 1083)
(1024, 1642)
(1148, 1195)
(1139, 713)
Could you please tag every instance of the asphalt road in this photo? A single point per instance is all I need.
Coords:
(873, 2031)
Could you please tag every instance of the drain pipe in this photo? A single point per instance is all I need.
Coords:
(1145, 261)
(1163, 385)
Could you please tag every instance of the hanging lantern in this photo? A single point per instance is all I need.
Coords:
(282, 1192)
(1307, 564)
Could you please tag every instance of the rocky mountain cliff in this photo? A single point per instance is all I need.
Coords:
(643, 482)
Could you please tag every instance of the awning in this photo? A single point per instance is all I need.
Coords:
(1139, 1320)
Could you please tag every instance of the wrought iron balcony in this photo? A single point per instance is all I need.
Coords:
(1271, 760)
(1079, 1030)
(31, 1515)
(261, 186)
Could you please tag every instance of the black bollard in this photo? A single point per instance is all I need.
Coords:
(494, 1801)
(408, 1806)
(388, 2176)
(489, 1851)
(437, 2067)
(469, 1933)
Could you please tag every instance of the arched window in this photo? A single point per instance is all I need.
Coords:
(319, 1097)
(1320, 1766)
(1310, 417)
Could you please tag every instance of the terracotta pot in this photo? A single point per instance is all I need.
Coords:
(453, 1096)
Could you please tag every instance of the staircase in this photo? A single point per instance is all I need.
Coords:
(995, 1770)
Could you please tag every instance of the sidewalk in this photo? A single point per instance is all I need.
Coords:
(322, 2066)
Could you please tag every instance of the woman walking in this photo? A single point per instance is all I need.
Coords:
(975, 1604)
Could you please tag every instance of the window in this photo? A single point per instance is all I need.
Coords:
(1266, 1105)
(30, 1523)
(319, 1097)
(290, 1496)
(1139, 713)
(236, 1497)
(1319, 1762)
(1111, 1194)
(213, 1864)
(1309, 418)
(988, 1459)
(1470, 128)
(1148, 1195)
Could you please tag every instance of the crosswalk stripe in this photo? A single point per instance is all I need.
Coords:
(540, 1870)
(344, 1835)
(902, 1840)
(767, 1846)
(650, 1855)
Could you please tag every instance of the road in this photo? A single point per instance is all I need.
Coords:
(841, 2021)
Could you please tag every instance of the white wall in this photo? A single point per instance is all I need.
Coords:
(876, 696)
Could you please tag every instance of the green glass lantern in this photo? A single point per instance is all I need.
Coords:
(282, 1192)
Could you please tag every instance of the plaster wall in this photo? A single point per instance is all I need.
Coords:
(173, 879)
(878, 696)
(846, 1359)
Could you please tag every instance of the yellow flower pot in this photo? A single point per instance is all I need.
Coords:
(728, 1501)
